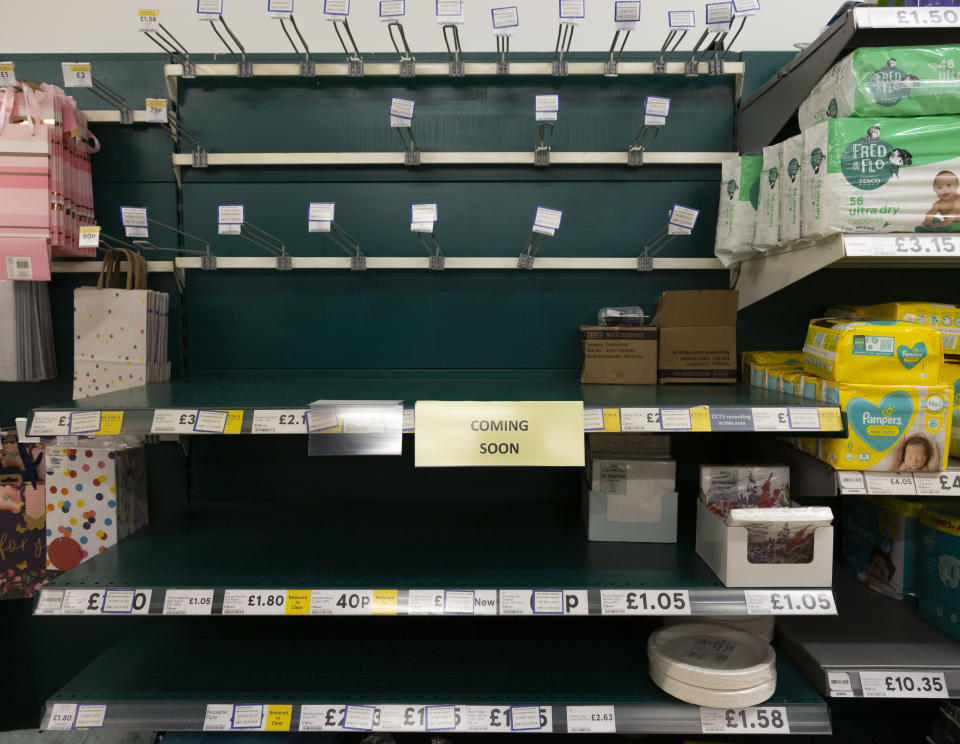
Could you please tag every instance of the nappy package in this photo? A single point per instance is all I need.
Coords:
(754, 363)
(767, 234)
(846, 311)
(892, 428)
(881, 352)
(938, 569)
(951, 378)
(791, 181)
(737, 218)
(887, 81)
(945, 318)
(880, 542)
(881, 176)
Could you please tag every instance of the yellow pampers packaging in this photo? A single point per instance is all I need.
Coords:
(750, 360)
(902, 428)
(811, 387)
(875, 352)
(951, 378)
(945, 318)
(846, 311)
(791, 381)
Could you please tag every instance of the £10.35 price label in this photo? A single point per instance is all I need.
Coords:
(766, 720)
(647, 602)
(790, 602)
(904, 684)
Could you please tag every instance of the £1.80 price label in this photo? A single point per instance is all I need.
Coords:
(904, 684)
(790, 602)
(744, 721)
(254, 601)
(646, 602)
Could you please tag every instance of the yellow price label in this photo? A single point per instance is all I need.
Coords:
(278, 718)
(298, 602)
(384, 602)
(6, 66)
(830, 419)
(156, 103)
(496, 434)
(147, 13)
(110, 423)
(79, 68)
(700, 419)
(611, 420)
(234, 422)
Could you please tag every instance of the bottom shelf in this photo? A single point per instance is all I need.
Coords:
(205, 676)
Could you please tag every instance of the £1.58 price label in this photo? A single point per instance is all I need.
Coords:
(766, 720)
(904, 684)
(645, 602)
(790, 602)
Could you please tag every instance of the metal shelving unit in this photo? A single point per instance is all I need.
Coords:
(414, 558)
(872, 639)
(609, 408)
(206, 677)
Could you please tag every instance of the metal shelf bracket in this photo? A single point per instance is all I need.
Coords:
(436, 259)
(529, 253)
(348, 244)
(503, 55)
(411, 153)
(172, 46)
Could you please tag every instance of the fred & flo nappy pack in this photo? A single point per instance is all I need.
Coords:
(737, 220)
(887, 81)
(767, 234)
(882, 176)
(791, 183)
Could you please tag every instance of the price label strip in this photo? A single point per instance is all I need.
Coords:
(790, 602)
(647, 602)
(903, 684)
(762, 720)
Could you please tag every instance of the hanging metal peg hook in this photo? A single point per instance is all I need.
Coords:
(562, 48)
(666, 51)
(108, 94)
(613, 56)
(307, 66)
(354, 60)
(435, 255)
(178, 132)
(411, 154)
(244, 65)
(717, 62)
(348, 244)
(451, 37)
(692, 65)
(408, 63)
(680, 221)
(530, 250)
(541, 155)
(640, 142)
(270, 243)
(172, 46)
(208, 261)
(503, 55)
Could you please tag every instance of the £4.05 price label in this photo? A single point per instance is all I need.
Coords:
(744, 721)
(790, 602)
(648, 602)
(904, 684)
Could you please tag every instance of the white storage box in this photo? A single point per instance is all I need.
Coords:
(631, 500)
(724, 549)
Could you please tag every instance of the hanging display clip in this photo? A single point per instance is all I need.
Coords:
(407, 62)
(681, 221)
(244, 65)
(451, 37)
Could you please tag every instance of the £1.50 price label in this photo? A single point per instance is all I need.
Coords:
(766, 720)
(904, 684)
(645, 602)
(790, 602)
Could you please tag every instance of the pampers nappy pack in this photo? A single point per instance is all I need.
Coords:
(791, 180)
(882, 176)
(887, 81)
(891, 428)
(880, 542)
(951, 378)
(737, 219)
(938, 569)
(767, 234)
(945, 318)
(754, 364)
(881, 352)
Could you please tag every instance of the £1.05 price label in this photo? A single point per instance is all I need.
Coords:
(904, 684)
(645, 602)
(790, 602)
(766, 720)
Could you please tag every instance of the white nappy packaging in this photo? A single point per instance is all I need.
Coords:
(882, 176)
(767, 234)
(887, 81)
(791, 183)
(737, 216)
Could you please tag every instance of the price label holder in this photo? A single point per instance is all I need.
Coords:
(90, 717)
(790, 602)
(148, 20)
(89, 236)
(645, 602)
(496, 434)
(558, 602)
(8, 75)
(546, 107)
(135, 222)
(254, 601)
(156, 109)
(640, 419)
(506, 719)
(890, 484)
(571, 12)
(546, 222)
(280, 421)
(322, 717)
(591, 719)
(907, 17)
(354, 602)
(902, 246)
(184, 421)
(106, 602)
(946, 483)
(851, 482)
(62, 717)
(655, 111)
(229, 219)
(358, 427)
(626, 17)
(894, 684)
(77, 74)
(757, 720)
(188, 602)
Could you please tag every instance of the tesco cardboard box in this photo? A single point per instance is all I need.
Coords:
(698, 336)
(619, 355)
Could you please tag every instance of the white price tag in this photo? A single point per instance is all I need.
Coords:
(746, 7)
(359, 717)
(148, 19)
(546, 108)
(400, 718)
(904, 684)
(591, 719)
(851, 482)
(504, 719)
(254, 601)
(82, 602)
(440, 718)
(458, 601)
(280, 421)
(422, 217)
(645, 602)
(90, 716)
(337, 8)
(449, 11)
(593, 419)
(62, 716)
(907, 17)
(230, 214)
(322, 717)
(135, 222)
(719, 16)
(210, 422)
(526, 718)
(8, 75)
(246, 717)
(425, 602)
(890, 484)
(839, 684)
(804, 419)
(902, 246)
(188, 602)
(50, 602)
(392, 9)
(764, 720)
(209, 10)
(655, 111)
(946, 483)
(639, 419)
(173, 421)
(543, 602)
(626, 14)
(77, 75)
(321, 419)
(790, 602)
(84, 422)
(770, 419)
(321, 212)
(675, 419)
(156, 110)
(126, 601)
(547, 221)
(682, 19)
(341, 602)
(19, 267)
(89, 236)
(571, 10)
(217, 717)
(684, 218)
(50, 423)
(409, 420)
(280, 8)
(505, 20)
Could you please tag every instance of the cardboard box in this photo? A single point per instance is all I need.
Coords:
(631, 500)
(698, 336)
(621, 355)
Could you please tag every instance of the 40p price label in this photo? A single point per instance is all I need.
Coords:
(904, 684)
(766, 720)
(790, 602)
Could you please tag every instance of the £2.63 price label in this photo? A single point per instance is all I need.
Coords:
(765, 720)
(644, 602)
(790, 602)
(904, 684)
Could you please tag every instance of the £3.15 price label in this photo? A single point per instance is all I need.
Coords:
(744, 720)
(904, 684)
(644, 602)
(790, 602)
